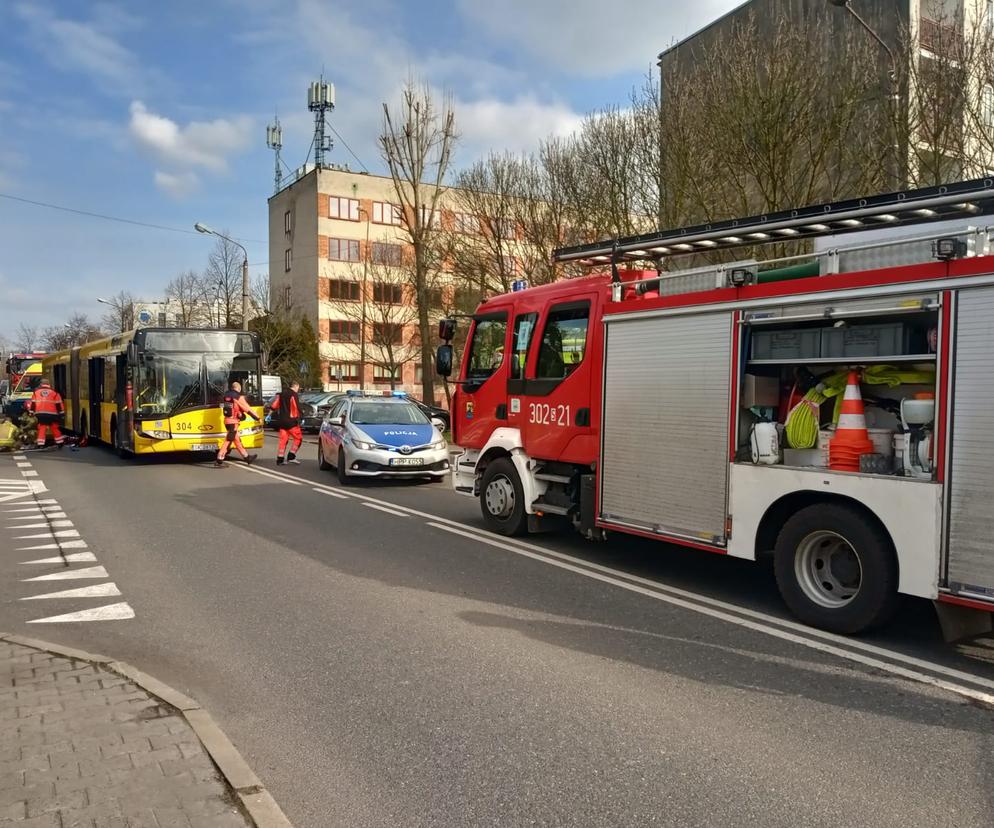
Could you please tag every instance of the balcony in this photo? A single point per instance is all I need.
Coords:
(940, 38)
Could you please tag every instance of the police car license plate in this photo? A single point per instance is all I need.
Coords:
(203, 447)
(407, 461)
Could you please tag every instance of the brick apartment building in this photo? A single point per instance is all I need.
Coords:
(336, 240)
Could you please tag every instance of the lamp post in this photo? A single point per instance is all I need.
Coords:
(203, 228)
(892, 74)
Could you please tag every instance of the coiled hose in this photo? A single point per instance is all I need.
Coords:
(803, 419)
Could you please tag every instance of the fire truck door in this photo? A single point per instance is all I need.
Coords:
(483, 399)
(555, 406)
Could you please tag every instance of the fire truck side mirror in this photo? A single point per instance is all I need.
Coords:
(446, 329)
(443, 360)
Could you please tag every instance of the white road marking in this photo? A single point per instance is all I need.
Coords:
(29, 473)
(23, 465)
(72, 557)
(36, 515)
(109, 590)
(838, 652)
(36, 509)
(71, 575)
(677, 593)
(386, 509)
(268, 473)
(331, 493)
(8, 482)
(69, 544)
(20, 457)
(54, 524)
(62, 533)
(111, 612)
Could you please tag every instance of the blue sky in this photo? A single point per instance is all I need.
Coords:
(156, 112)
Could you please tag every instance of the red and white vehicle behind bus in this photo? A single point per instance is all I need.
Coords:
(617, 402)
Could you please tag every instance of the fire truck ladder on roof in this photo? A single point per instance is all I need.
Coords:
(910, 207)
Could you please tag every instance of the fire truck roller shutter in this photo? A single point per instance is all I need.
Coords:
(970, 553)
(665, 429)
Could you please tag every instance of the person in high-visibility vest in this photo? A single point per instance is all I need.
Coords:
(286, 415)
(235, 408)
(47, 406)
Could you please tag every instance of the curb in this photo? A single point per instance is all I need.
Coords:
(254, 798)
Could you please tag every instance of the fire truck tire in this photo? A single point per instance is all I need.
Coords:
(836, 569)
(502, 499)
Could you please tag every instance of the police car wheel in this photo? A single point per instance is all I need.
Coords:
(502, 499)
(343, 469)
(323, 464)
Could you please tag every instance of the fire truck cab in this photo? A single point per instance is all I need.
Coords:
(629, 402)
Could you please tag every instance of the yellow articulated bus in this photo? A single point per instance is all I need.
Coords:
(158, 390)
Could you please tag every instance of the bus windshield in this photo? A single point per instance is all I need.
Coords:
(172, 382)
(28, 383)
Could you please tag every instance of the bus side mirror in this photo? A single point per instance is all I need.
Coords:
(443, 360)
(132, 353)
(446, 330)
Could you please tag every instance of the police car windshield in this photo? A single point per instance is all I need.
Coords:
(370, 413)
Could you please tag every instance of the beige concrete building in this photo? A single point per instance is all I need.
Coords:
(337, 253)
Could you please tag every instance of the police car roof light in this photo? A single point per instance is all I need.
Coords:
(355, 392)
(400, 394)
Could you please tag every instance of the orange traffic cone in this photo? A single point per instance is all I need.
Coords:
(851, 438)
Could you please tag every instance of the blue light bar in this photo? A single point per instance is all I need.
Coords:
(398, 393)
(354, 392)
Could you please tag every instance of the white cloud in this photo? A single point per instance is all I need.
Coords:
(178, 185)
(516, 126)
(589, 37)
(199, 145)
(77, 46)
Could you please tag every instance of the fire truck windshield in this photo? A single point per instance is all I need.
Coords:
(486, 352)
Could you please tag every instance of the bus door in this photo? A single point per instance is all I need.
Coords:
(555, 407)
(95, 366)
(72, 400)
(123, 400)
(482, 401)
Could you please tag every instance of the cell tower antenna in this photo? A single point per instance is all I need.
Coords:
(274, 140)
(321, 101)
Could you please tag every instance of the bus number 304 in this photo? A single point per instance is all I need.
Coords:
(545, 414)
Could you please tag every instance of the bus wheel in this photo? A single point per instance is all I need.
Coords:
(83, 432)
(836, 568)
(502, 500)
(115, 439)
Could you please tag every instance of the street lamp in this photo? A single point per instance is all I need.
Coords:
(892, 74)
(203, 228)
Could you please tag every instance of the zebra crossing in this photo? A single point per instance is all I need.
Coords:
(45, 536)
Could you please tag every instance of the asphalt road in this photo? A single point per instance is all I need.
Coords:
(382, 661)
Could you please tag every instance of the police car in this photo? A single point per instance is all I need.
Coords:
(376, 436)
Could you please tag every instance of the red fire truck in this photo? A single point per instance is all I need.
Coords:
(629, 401)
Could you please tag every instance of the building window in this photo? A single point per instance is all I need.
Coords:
(989, 17)
(390, 333)
(287, 222)
(286, 297)
(383, 373)
(434, 297)
(465, 223)
(387, 254)
(162, 320)
(346, 209)
(343, 250)
(509, 265)
(505, 229)
(386, 213)
(341, 330)
(343, 372)
(343, 290)
(287, 260)
(987, 105)
(388, 294)
(419, 372)
(428, 217)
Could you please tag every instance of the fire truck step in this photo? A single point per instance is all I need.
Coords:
(550, 508)
(553, 478)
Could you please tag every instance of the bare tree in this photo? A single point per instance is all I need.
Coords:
(416, 144)
(77, 331)
(27, 338)
(121, 316)
(185, 295)
(260, 296)
(224, 272)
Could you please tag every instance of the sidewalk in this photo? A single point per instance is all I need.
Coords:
(81, 746)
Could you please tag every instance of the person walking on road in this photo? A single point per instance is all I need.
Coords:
(235, 408)
(286, 414)
(47, 406)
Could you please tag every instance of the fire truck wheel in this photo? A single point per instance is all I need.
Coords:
(836, 569)
(502, 500)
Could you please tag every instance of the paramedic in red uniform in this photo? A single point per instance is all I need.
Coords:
(46, 405)
(235, 408)
(286, 415)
